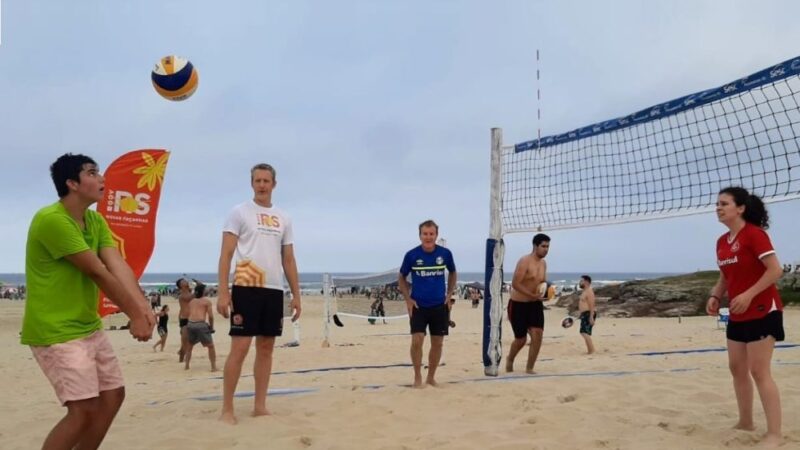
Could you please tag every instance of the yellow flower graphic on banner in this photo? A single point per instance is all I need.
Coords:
(152, 173)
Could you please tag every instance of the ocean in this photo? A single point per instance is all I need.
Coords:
(313, 280)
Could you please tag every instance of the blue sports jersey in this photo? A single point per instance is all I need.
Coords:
(428, 281)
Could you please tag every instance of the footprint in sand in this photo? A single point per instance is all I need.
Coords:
(567, 398)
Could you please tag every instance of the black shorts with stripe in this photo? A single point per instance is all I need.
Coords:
(256, 311)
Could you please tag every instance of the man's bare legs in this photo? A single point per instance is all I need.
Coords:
(516, 346)
(416, 357)
(240, 345)
(261, 372)
(434, 356)
(589, 343)
(212, 356)
(533, 351)
(86, 422)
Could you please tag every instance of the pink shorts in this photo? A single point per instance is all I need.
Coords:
(80, 369)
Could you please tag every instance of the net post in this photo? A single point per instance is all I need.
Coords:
(326, 316)
(493, 274)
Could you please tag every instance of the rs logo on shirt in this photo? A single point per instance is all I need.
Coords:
(268, 221)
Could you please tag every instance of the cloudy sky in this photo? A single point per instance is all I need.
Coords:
(375, 113)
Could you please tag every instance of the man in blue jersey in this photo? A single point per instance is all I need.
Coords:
(426, 298)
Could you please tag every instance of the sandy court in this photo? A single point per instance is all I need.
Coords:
(355, 395)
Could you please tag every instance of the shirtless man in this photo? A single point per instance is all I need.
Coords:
(198, 329)
(184, 297)
(588, 313)
(526, 310)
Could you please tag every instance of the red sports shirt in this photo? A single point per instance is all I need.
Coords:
(740, 263)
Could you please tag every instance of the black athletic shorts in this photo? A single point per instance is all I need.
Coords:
(182, 322)
(524, 315)
(434, 318)
(256, 311)
(757, 329)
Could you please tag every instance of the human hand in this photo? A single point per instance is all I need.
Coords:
(296, 308)
(224, 302)
(142, 327)
(740, 303)
(712, 306)
(410, 305)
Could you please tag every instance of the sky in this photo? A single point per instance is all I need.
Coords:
(376, 114)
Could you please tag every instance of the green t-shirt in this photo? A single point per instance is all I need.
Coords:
(62, 300)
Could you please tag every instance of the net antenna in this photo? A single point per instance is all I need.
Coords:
(334, 286)
(667, 160)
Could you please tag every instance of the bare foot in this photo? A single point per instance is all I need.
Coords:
(432, 383)
(261, 412)
(186, 368)
(228, 418)
(744, 426)
(530, 371)
(509, 366)
(771, 441)
(418, 383)
(214, 369)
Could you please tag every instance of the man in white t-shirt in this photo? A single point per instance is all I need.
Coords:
(261, 237)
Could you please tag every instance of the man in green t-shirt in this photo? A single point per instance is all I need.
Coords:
(69, 254)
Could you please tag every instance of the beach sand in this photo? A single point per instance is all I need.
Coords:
(613, 399)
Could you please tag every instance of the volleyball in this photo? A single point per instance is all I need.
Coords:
(542, 289)
(567, 322)
(174, 78)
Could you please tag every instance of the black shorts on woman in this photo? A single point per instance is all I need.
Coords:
(757, 329)
(257, 311)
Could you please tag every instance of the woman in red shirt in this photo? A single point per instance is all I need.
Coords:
(749, 269)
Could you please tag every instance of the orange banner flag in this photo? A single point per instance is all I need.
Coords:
(132, 191)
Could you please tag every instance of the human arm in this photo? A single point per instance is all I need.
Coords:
(229, 241)
(712, 305)
(111, 273)
(774, 272)
(290, 270)
(452, 279)
(210, 313)
(402, 284)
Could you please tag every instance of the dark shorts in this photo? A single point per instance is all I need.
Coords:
(162, 331)
(199, 332)
(525, 315)
(434, 319)
(758, 329)
(182, 322)
(586, 327)
(256, 311)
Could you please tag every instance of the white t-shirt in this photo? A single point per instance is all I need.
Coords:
(262, 233)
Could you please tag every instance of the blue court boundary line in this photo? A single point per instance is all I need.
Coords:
(701, 350)
(296, 391)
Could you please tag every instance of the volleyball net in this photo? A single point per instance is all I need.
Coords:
(667, 160)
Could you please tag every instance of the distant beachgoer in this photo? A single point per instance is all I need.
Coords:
(163, 320)
(588, 312)
(70, 252)
(749, 269)
(426, 299)
(261, 237)
(475, 297)
(200, 326)
(185, 296)
(526, 310)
